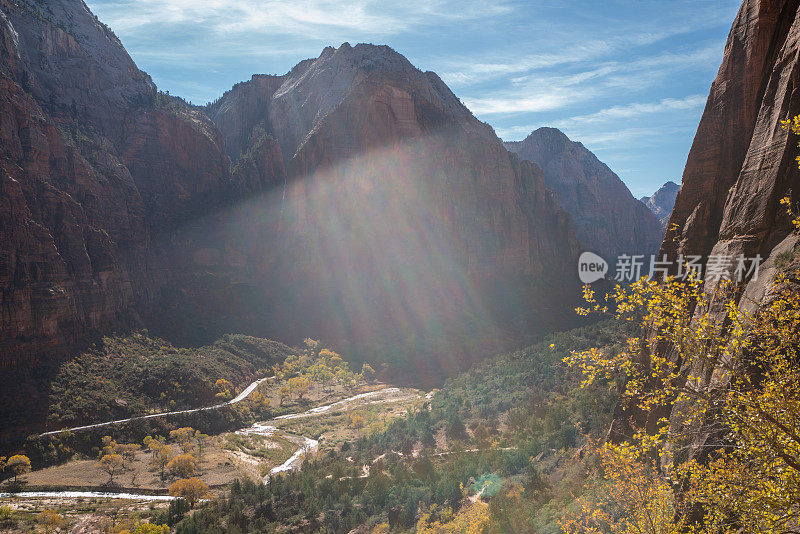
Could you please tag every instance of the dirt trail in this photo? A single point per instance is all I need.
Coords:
(239, 398)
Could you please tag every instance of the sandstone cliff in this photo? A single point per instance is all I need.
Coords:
(742, 162)
(353, 198)
(740, 165)
(94, 164)
(403, 216)
(608, 219)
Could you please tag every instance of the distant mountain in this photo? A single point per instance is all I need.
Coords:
(607, 218)
(662, 202)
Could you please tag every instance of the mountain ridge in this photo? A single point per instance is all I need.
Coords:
(662, 202)
(608, 219)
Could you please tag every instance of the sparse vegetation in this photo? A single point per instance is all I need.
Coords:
(515, 425)
(137, 374)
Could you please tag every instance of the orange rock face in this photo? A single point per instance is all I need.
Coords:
(742, 162)
(93, 168)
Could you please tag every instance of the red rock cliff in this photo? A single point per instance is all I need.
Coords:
(742, 162)
(403, 215)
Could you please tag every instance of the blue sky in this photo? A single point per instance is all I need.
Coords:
(629, 79)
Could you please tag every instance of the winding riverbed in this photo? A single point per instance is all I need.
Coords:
(305, 445)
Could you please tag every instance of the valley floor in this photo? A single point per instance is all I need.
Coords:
(326, 420)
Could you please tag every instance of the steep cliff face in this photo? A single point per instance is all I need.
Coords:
(353, 198)
(740, 165)
(402, 215)
(742, 162)
(94, 163)
(608, 220)
(662, 202)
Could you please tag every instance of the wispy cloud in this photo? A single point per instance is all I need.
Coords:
(551, 89)
(630, 111)
(500, 105)
(306, 18)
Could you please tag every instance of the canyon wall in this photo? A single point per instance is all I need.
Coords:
(354, 198)
(742, 162)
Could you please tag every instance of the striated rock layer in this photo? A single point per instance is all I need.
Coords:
(94, 162)
(354, 198)
(742, 162)
(608, 219)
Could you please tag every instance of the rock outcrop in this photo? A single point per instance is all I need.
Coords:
(608, 219)
(662, 202)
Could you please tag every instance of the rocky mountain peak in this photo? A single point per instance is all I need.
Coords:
(291, 106)
(71, 62)
(316, 87)
(607, 218)
(662, 202)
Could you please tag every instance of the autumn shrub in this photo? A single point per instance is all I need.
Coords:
(728, 376)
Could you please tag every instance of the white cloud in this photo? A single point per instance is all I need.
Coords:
(312, 19)
(500, 105)
(630, 111)
(638, 136)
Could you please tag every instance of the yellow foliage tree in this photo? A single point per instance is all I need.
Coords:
(299, 386)
(183, 465)
(162, 455)
(356, 420)
(112, 464)
(183, 437)
(627, 495)
(224, 389)
(19, 464)
(471, 518)
(191, 489)
(752, 481)
(49, 519)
